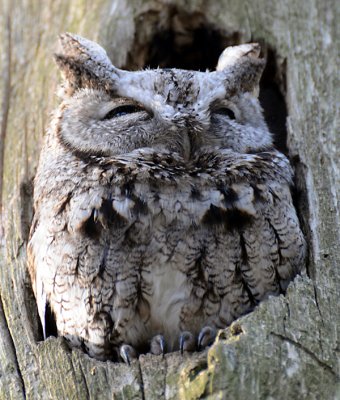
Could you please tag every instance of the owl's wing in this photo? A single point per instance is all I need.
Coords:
(283, 223)
(254, 202)
(35, 251)
(58, 218)
(272, 245)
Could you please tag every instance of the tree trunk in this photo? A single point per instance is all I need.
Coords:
(288, 347)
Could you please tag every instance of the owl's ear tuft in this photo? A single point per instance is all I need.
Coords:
(75, 74)
(84, 63)
(242, 64)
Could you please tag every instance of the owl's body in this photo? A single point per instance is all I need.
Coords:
(160, 203)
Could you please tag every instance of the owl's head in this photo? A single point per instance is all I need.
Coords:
(108, 111)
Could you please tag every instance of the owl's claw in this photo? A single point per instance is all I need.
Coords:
(128, 353)
(157, 345)
(206, 337)
(187, 342)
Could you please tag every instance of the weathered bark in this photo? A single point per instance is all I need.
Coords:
(289, 346)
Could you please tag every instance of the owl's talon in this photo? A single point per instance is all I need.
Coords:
(206, 337)
(186, 342)
(127, 353)
(157, 345)
(95, 215)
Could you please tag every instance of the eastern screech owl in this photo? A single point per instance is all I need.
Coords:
(162, 210)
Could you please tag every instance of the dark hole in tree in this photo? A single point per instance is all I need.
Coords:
(199, 49)
(189, 42)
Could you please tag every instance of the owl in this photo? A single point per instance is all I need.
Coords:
(162, 211)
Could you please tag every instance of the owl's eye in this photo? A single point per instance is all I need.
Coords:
(123, 110)
(226, 111)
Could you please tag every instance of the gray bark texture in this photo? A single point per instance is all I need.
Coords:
(288, 348)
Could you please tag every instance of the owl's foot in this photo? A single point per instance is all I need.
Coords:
(157, 345)
(127, 353)
(187, 342)
(206, 337)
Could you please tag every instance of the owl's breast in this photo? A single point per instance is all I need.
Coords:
(163, 249)
(208, 256)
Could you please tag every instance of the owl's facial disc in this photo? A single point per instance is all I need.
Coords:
(115, 111)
